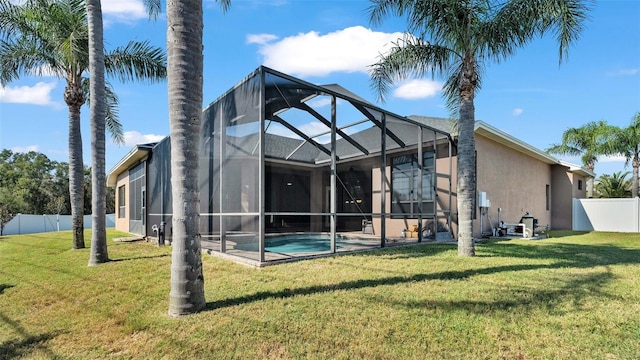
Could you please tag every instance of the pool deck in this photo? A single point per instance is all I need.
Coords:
(358, 243)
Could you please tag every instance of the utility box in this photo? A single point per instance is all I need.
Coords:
(482, 200)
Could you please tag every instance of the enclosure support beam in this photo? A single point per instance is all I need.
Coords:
(450, 194)
(223, 156)
(321, 118)
(261, 173)
(420, 171)
(434, 183)
(370, 116)
(334, 173)
(301, 134)
(383, 181)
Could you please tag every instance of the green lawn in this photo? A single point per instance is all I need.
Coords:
(573, 296)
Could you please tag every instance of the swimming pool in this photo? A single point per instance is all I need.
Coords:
(294, 243)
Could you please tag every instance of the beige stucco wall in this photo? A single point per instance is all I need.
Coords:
(566, 187)
(514, 182)
(122, 224)
(395, 226)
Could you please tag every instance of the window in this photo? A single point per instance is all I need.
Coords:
(405, 176)
(548, 196)
(579, 184)
(121, 202)
(137, 183)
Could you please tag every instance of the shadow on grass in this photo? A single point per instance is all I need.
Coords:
(565, 233)
(409, 250)
(28, 344)
(5, 286)
(561, 256)
(368, 283)
(573, 255)
(140, 257)
(575, 290)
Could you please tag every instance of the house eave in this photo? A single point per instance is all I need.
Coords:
(134, 156)
(579, 170)
(490, 132)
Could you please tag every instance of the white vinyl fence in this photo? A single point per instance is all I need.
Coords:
(618, 215)
(28, 224)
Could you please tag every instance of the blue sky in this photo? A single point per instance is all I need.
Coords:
(529, 96)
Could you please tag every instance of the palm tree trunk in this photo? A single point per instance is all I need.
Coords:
(184, 69)
(590, 182)
(634, 178)
(74, 98)
(466, 184)
(98, 253)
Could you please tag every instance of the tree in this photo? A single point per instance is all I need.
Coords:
(185, 69)
(626, 142)
(97, 116)
(587, 141)
(40, 37)
(613, 186)
(41, 186)
(455, 39)
(9, 207)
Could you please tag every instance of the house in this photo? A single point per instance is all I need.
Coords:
(293, 169)
(517, 178)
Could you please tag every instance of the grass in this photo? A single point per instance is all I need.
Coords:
(573, 296)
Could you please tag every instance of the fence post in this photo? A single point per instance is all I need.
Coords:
(637, 217)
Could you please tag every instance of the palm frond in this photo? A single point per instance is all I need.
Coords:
(518, 22)
(409, 57)
(45, 34)
(589, 141)
(224, 4)
(613, 186)
(153, 8)
(380, 9)
(17, 58)
(112, 121)
(137, 61)
(626, 141)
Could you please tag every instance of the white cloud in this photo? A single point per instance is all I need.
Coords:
(24, 149)
(625, 72)
(417, 89)
(39, 94)
(313, 54)
(132, 138)
(517, 111)
(124, 10)
(321, 102)
(313, 128)
(260, 39)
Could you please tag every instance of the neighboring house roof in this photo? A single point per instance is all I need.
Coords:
(576, 169)
(133, 157)
(501, 137)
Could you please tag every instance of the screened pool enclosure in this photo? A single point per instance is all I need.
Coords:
(291, 169)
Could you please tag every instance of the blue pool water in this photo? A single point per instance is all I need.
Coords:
(298, 243)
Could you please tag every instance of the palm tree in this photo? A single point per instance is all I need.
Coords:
(613, 186)
(626, 142)
(40, 37)
(587, 141)
(185, 67)
(455, 39)
(97, 115)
